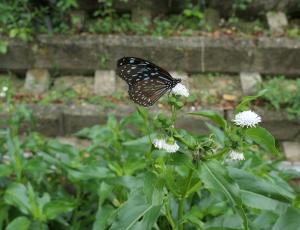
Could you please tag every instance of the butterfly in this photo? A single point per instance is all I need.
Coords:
(147, 82)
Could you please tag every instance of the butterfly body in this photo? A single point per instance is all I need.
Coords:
(147, 82)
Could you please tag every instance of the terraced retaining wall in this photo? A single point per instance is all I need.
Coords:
(190, 54)
(63, 120)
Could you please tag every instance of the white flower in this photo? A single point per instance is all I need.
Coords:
(6, 159)
(236, 156)
(27, 154)
(181, 90)
(163, 144)
(247, 119)
(4, 88)
(2, 94)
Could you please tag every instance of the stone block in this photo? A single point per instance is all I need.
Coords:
(19, 55)
(48, 120)
(37, 80)
(287, 165)
(105, 82)
(276, 55)
(76, 118)
(121, 86)
(249, 82)
(277, 22)
(291, 150)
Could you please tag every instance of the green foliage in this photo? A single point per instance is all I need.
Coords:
(283, 94)
(121, 181)
(241, 4)
(3, 47)
(23, 18)
(293, 32)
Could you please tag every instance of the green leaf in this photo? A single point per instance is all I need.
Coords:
(246, 101)
(288, 221)
(3, 214)
(16, 194)
(5, 170)
(265, 220)
(262, 137)
(213, 116)
(129, 182)
(143, 207)
(103, 213)
(222, 228)
(102, 217)
(216, 179)
(258, 201)
(55, 208)
(220, 136)
(143, 113)
(89, 172)
(194, 216)
(3, 47)
(227, 220)
(37, 203)
(261, 186)
(133, 210)
(19, 223)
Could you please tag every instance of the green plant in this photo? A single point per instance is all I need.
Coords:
(126, 179)
(293, 32)
(193, 13)
(283, 93)
(241, 4)
(3, 47)
(23, 18)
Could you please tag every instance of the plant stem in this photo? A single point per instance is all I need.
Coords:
(189, 179)
(169, 215)
(179, 137)
(173, 114)
(182, 199)
(180, 213)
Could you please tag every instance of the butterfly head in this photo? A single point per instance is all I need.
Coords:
(175, 82)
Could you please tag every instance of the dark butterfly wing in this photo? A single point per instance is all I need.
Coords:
(133, 69)
(147, 81)
(147, 92)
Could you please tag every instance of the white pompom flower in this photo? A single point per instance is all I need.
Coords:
(2, 94)
(181, 90)
(247, 119)
(167, 145)
(3, 91)
(236, 156)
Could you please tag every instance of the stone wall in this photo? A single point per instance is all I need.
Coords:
(64, 120)
(190, 54)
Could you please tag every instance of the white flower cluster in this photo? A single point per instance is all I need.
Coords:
(236, 156)
(164, 145)
(3, 91)
(247, 119)
(180, 90)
